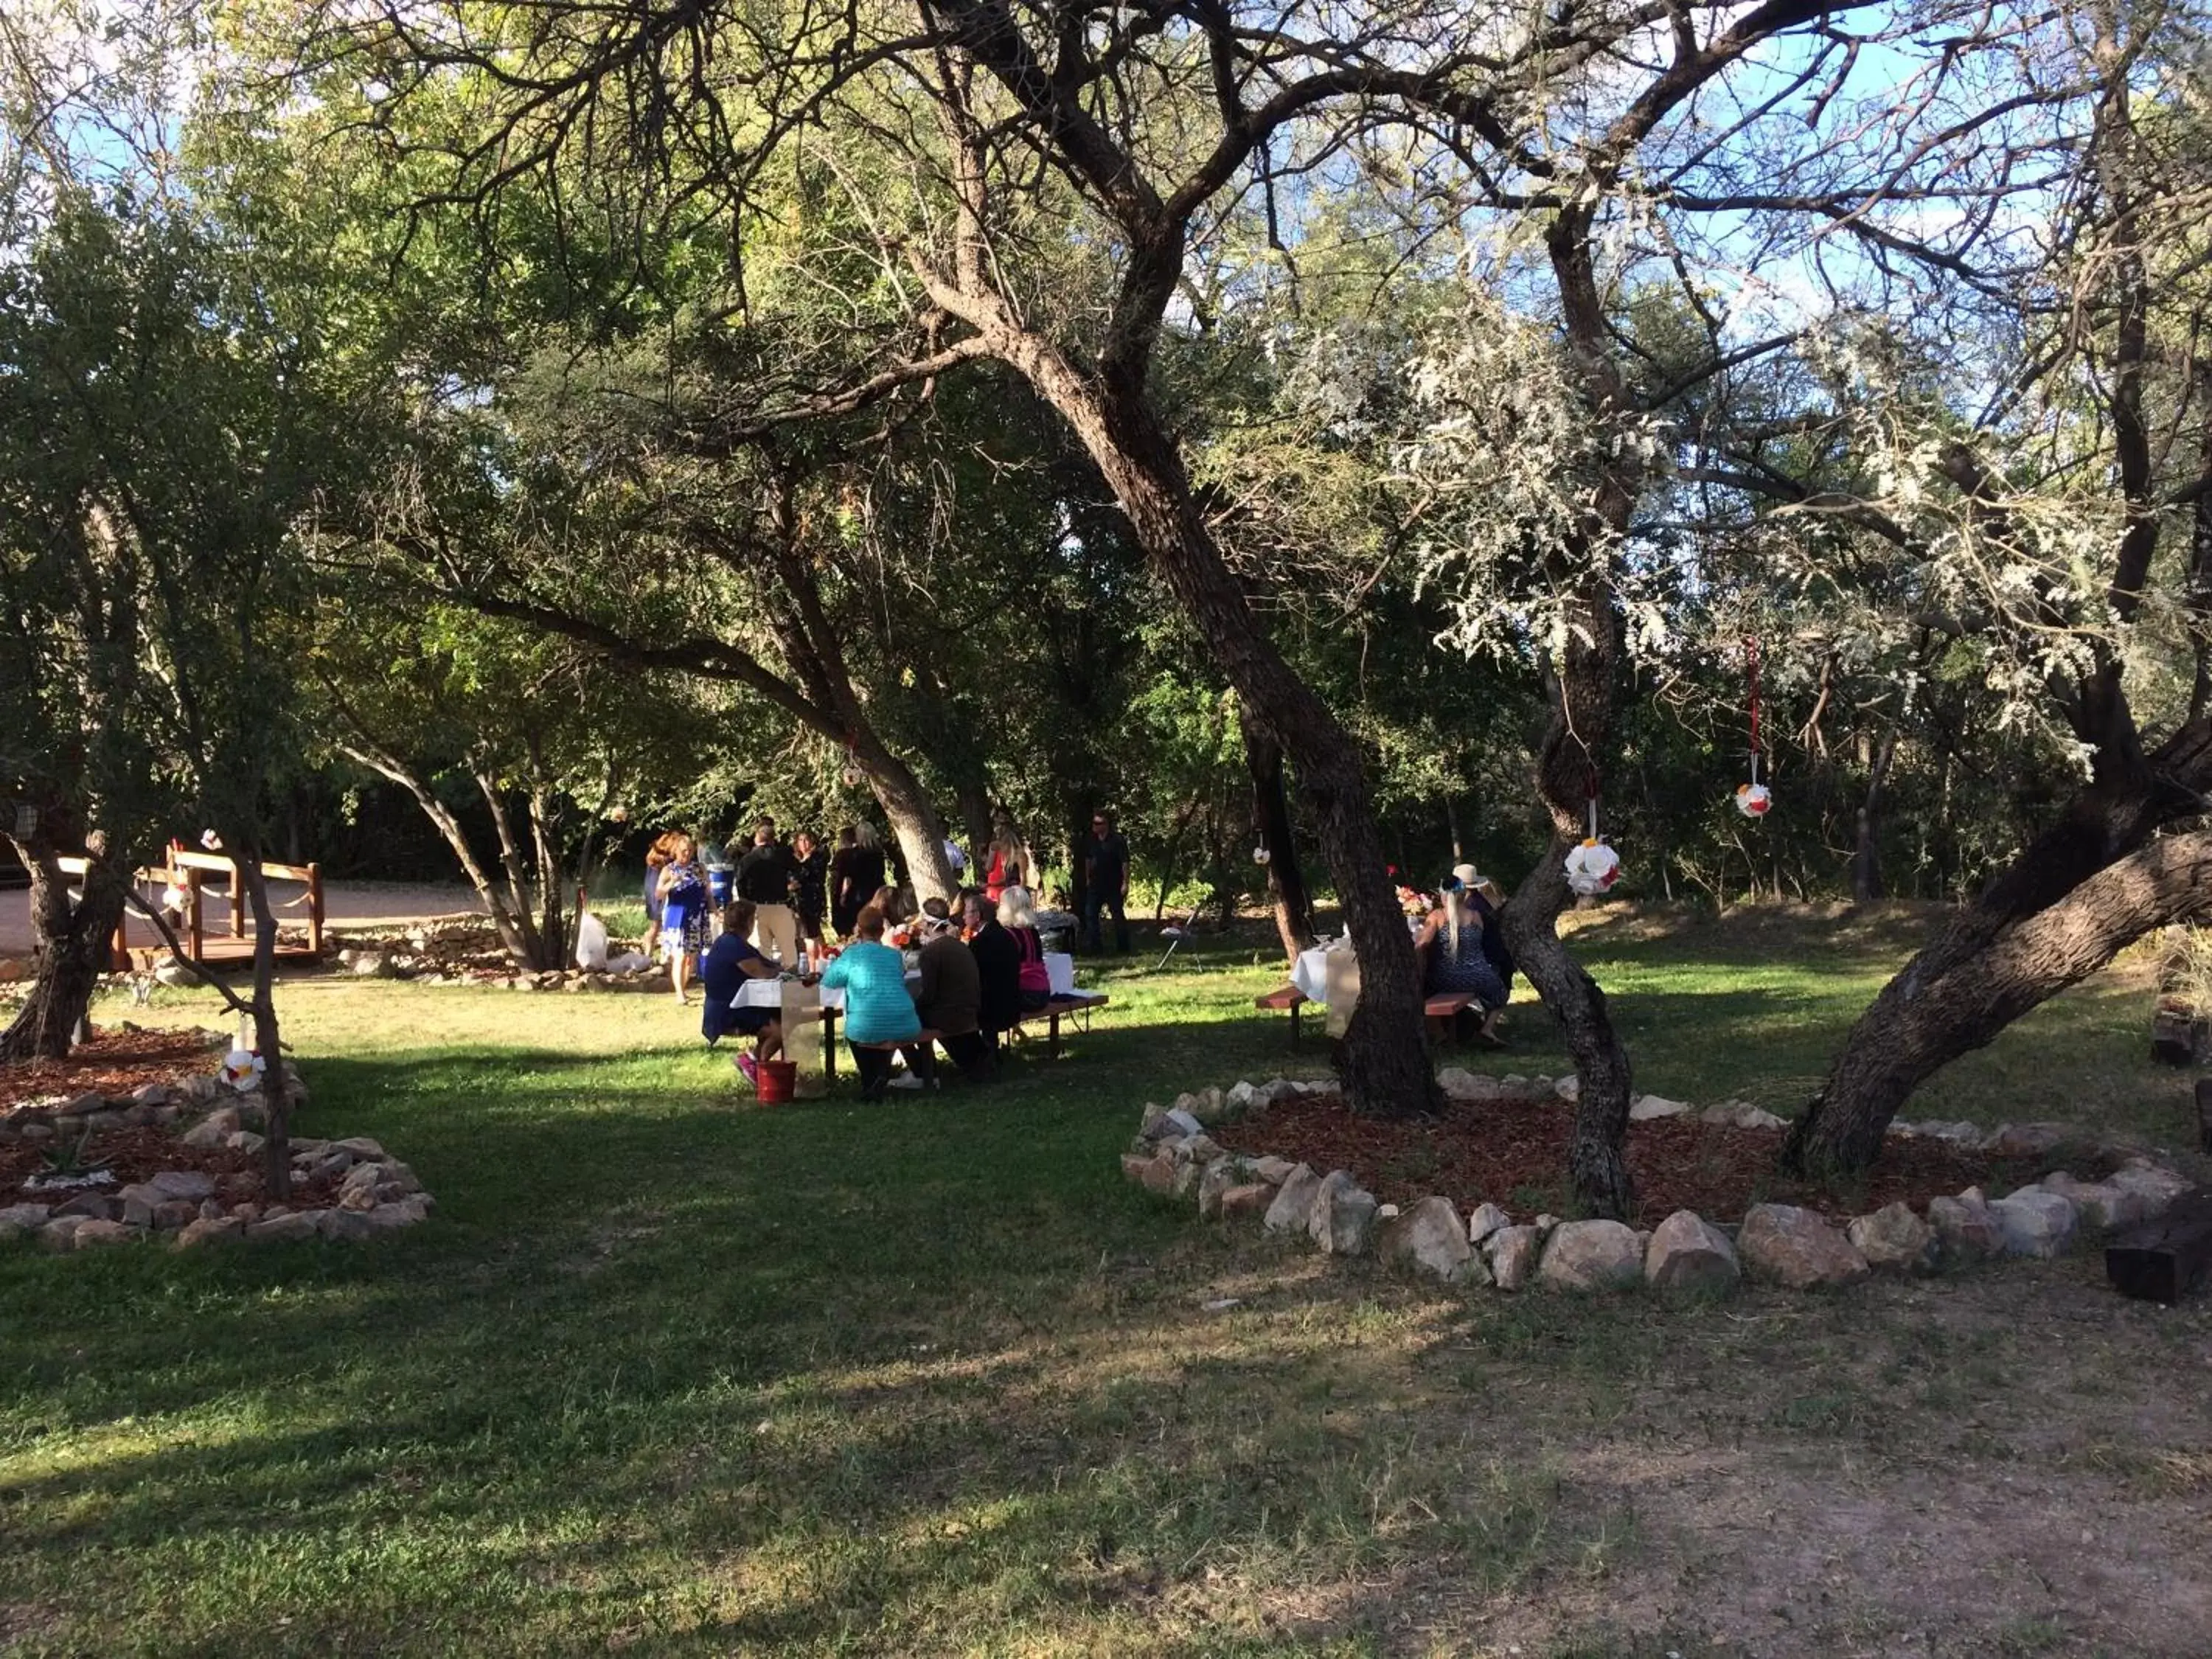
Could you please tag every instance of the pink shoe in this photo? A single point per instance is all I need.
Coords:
(751, 1067)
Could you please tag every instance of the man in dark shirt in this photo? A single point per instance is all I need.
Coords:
(765, 877)
(1105, 883)
(998, 971)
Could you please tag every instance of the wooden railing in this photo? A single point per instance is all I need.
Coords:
(189, 871)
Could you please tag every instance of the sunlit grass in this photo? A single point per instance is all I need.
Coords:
(672, 1372)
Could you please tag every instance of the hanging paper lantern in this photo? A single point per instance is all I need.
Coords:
(1592, 867)
(1753, 800)
(1260, 854)
(176, 897)
(242, 1069)
(852, 776)
(211, 841)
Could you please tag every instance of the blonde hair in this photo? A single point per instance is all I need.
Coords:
(1015, 909)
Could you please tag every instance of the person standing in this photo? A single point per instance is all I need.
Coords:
(810, 884)
(843, 905)
(683, 890)
(765, 879)
(862, 874)
(1105, 883)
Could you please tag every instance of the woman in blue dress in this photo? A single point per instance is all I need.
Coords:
(1461, 951)
(683, 889)
(731, 962)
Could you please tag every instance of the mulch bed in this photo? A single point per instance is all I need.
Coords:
(117, 1060)
(1515, 1156)
(134, 1155)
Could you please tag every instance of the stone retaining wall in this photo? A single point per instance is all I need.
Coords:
(1777, 1243)
(376, 1193)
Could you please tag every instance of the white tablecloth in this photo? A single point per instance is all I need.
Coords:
(1061, 967)
(768, 993)
(1310, 974)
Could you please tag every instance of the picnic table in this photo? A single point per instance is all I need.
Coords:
(1066, 1002)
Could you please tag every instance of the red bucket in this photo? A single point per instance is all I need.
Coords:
(778, 1084)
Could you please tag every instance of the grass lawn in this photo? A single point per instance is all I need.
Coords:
(670, 1373)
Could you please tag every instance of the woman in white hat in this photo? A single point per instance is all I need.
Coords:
(1463, 950)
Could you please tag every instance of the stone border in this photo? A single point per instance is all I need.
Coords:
(421, 967)
(1775, 1243)
(377, 1193)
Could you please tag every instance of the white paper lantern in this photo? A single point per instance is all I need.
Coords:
(1260, 854)
(242, 1069)
(1753, 800)
(1592, 867)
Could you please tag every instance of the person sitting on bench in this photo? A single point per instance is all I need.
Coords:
(1018, 916)
(1456, 954)
(877, 1009)
(731, 961)
(998, 971)
(950, 998)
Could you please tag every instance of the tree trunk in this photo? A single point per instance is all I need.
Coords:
(383, 761)
(1963, 989)
(1271, 822)
(1866, 856)
(70, 946)
(1383, 1059)
(268, 1039)
(521, 900)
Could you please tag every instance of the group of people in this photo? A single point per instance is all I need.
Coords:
(977, 975)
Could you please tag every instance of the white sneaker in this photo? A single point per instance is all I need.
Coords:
(906, 1081)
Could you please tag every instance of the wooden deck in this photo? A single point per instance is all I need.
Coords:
(190, 871)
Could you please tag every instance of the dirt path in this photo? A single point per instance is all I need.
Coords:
(345, 904)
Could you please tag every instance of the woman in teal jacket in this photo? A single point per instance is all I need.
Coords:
(878, 1007)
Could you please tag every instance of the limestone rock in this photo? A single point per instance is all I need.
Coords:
(1796, 1248)
(22, 1218)
(60, 1233)
(1487, 1220)
(82, 1106)
(1591, 1255)
(389, 1217)
(1427, 1233)
(1894, 1240)
(2099, 1207)
(93, 1232)
(1179, 1122)
(1219, 1177)
(1342, 1219)
(1183, 1182)
(1291, 1211)
(209, 1229)
(244, 1140)
(194, 1184)
(1251, 1199)
(2034, 1222)
(364, 1198)
(351, 1225)
(1966, 1231)
(139, 1203)
(150, 1094)
(297, 1224)
(2029, 1140)
(1740, 1115)
(1687, 1253)
(1274, 1171)
(1645, 1108)
(1133, 1165)
(1512, 1253)
(177, 1212)
(1568, 1088)
(2154, 1187)
(95, 1207)
(1158, 1176)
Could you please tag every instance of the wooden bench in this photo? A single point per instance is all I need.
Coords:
(925, 1039)
(2166, 1260)
(1445, 1006)
(1284, 998)
(1079, 1007)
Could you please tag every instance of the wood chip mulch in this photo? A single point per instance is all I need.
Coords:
(116, 1060)
(1515, 1156)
